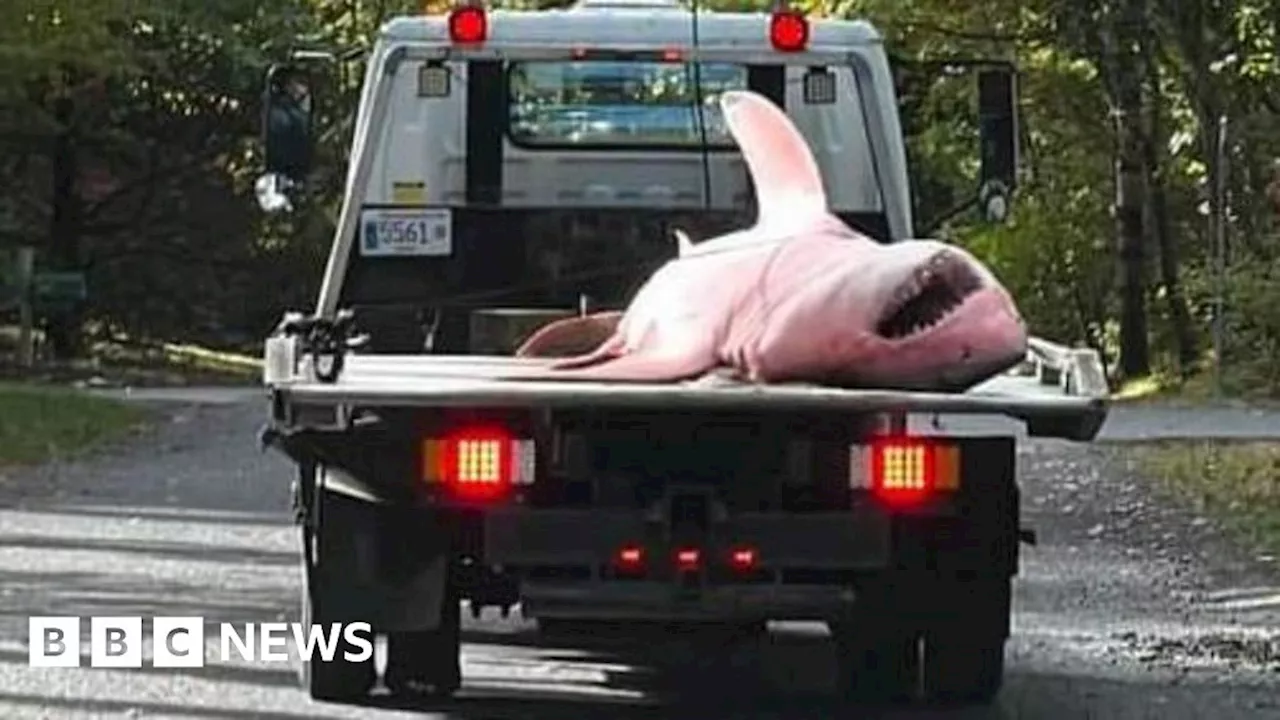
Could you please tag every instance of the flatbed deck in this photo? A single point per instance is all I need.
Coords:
(1074, 409)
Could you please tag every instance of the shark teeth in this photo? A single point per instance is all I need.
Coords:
(930, 294)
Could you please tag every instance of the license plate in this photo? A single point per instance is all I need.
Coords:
(418, 232)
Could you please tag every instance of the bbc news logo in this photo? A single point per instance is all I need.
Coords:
(179, 642)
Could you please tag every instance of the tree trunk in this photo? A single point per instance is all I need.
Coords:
(1160, 229)
(64, 233)
(1131, 174)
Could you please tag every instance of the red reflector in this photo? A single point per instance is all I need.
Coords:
(743, 558)
(788, 31)
(630, 557)
(477, 461)
(903, 470)
(468, 24)
(687, 559)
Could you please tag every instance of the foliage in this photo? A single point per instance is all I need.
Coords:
(163, 117)
(42, 423)
(1235, 482)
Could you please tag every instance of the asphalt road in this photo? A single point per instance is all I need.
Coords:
(1128, 608)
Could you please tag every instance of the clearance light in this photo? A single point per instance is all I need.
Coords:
(788, 31)
(906, 470)
(743, 559)
(630, 557)
(687, 559)
(478, 462)
(468, 25)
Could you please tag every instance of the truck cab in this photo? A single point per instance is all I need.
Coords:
(510, 167)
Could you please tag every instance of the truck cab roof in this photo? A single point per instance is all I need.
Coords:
(635, 23)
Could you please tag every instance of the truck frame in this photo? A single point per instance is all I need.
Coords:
(425, 482)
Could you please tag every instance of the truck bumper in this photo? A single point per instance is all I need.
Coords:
(662, 601)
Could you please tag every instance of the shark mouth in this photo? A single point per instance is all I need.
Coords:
(931, 294)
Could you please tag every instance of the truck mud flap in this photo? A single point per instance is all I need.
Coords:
(382, 564)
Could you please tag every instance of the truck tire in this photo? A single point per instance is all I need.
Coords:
(426, 664)
(338, 680)
(963, 660)
(877, 659)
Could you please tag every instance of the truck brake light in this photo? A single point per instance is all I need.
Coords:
(468, 25)
(743, 559)
(631, 556)
(687, 559)
(788, 30)
(479, 462)
(905, 470)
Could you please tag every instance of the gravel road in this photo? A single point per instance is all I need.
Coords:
(1128, 608)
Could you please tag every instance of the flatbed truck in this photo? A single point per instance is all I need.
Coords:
(507, 166)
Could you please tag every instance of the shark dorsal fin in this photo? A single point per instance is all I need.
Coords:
(787, 180)
(684, 246)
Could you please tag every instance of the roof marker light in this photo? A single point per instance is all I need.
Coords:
(788, 30)
(468, 25)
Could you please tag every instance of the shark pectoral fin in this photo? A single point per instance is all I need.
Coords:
(675, 361)
(633, 367)
(573, 337)
(786, 176)
(608, 350)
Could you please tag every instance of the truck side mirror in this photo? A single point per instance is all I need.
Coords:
(998, 137)
(286, 127)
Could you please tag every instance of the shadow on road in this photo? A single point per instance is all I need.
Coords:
(155, 549)
(513, 671)
(278, 515)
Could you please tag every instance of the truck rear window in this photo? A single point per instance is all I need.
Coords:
(610, 104)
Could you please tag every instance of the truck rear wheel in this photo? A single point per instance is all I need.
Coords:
(877, 660)
(338, 680)
(951, 648)
(427, 663)
(964, 653)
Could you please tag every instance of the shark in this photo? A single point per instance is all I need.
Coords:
(798, 297)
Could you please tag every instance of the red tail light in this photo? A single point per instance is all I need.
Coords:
(788, 31)
(687, 559)
(630, 558)
(743, 559)
(468, 25)
(908, 470)
(479, 462)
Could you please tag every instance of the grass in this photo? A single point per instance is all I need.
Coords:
(1234, 481)
(40, 422)
(1197, 390)
(141, 363)
(192, 362)
(1162, 386)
